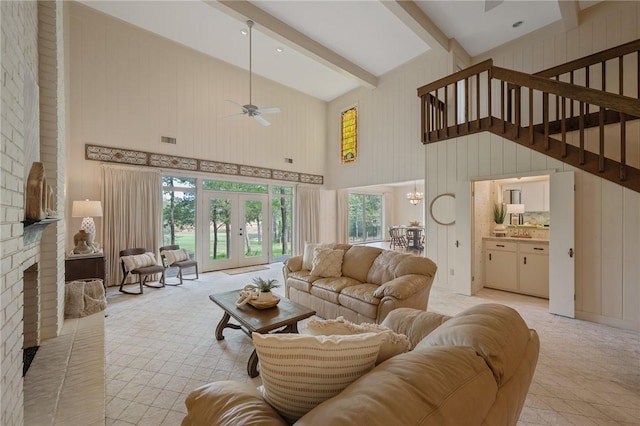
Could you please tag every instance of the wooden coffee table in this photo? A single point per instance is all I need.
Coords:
(283, 318)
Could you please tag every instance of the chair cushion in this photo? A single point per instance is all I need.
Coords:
(327, 262)
(136, 261)
(392, 345)
(174, 256)
(299, 371)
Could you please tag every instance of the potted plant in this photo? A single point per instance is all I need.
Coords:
(264, 287)
(499, 214)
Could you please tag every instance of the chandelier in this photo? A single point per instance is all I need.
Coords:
(415, 197)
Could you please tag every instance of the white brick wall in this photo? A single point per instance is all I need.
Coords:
(52, 136)
(21, 47)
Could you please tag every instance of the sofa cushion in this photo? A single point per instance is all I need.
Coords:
(360, 298)
(327, 262)
(229, 403)
(384, 267)
(414, 323)
(392, 345)
(299, 371)
(307, 256)
(336, 285)
(496, 332)
(436, 386)
(358, 260)
(416, 265)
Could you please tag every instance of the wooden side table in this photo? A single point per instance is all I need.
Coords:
(84, 267)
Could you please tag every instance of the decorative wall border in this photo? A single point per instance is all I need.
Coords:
(141, 158)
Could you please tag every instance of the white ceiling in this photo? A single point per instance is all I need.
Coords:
(333, 46)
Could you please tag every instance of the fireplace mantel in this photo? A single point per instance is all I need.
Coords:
(32, 229)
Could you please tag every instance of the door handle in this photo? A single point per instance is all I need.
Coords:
(571, 252)
(457, 243)
(489, 256)
(525, 260)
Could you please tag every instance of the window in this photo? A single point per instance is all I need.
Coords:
(220, 185)
(281, 218)
(179, 212)
(349, 134)
(365, 217)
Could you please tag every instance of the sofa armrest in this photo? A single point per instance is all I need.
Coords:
(293, 263)
(404, 287)
(229, 403)
(413, 323)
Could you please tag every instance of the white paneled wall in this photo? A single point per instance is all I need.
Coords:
(129, 87)
(607, 222)
(389, 148)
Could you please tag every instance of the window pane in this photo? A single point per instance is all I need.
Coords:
(282, 190)
(178, 182)
(365, 217)
(373, 217)
(219, 228)
(179, 219)
(281, 216)
(219, 185)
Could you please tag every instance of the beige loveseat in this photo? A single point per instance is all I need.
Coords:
(472, 369)
(373, 282)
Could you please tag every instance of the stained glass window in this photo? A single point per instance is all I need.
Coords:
(349, 139)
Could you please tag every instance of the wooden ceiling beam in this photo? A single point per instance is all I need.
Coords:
(243, 9)
(418, 21)
(569, 10)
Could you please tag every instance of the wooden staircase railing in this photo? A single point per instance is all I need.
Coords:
(488, 98)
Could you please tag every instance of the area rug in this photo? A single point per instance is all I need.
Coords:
(237, 271)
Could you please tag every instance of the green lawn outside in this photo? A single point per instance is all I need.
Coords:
(186, 240)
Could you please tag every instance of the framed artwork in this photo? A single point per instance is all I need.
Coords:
(349, 134)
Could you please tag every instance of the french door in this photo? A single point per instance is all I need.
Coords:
(235, 228)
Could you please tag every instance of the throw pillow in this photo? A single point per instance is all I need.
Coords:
(392, 344)
(327, 262)
(174, 256)
(139, 260)
(300, 371)
(307, 256)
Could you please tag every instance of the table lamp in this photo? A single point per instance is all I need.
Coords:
(87, 210)
(516, 209)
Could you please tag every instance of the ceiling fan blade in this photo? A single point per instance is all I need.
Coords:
(234, 115)
(261, 120)
(269, 110)
(235, 103)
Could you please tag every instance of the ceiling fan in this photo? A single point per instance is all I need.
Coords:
(250, 109)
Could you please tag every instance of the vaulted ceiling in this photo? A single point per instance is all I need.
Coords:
(326, 48)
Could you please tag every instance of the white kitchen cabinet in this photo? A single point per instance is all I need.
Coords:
(501, 270)
(533, 269)
(517, 266)
(535, 196)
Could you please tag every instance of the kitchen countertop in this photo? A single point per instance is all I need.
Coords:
(537, 240)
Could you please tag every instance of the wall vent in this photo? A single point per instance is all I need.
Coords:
(288, 160)
(167, 139)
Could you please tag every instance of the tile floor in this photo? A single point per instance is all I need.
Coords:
(161, 345)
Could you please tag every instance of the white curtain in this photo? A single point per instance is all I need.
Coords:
(307, 227)
(132, 209)
(342, 218)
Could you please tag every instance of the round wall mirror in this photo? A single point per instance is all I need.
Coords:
(443, 209)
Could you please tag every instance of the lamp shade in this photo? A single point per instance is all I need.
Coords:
(86, 208)
(515, 208)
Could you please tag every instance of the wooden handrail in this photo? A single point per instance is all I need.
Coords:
(596, 58)
(453, 78)
(608, 100)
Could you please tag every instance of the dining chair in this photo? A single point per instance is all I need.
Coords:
(175, 257)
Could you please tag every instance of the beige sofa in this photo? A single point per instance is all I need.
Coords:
(374, 282)
(472, 369)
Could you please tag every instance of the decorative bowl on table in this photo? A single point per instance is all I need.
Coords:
(264, 304)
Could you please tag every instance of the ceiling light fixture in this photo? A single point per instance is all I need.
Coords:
(244, 32)
(415, 197)
(279, 49)
(517, 24)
